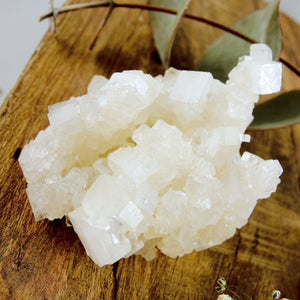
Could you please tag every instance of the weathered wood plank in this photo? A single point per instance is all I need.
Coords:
(45, 260)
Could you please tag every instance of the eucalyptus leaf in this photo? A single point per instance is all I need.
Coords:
(262, 26)
(281, 111)
(165, 26)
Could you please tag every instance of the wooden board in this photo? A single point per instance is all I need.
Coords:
(45, 260)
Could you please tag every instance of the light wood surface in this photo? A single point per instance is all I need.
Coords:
(45, 260)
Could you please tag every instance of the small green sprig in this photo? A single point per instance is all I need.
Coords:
(276, 295)
(222, 286)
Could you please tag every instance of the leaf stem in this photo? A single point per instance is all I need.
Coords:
(103, 22)
(220, 26)
(107, 3)
(233, 286)
(235, 294)
(290, 66)
(74, 7)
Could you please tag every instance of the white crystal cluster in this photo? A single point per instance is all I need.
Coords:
(140, 163)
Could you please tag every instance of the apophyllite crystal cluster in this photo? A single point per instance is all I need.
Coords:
(142, 162)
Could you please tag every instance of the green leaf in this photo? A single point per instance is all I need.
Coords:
(165, 26)
(281, 111)
(262, 26)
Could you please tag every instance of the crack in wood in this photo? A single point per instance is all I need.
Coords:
(236, 252)
(18, 260)
(17, 153)
(115, 270)
(239, 239)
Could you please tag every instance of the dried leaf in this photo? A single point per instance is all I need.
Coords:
(262, 26)
(165, 26)
(281, 111)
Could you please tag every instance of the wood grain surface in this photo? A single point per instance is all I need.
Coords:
(45, 260)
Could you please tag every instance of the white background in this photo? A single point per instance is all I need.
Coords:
(20, 33)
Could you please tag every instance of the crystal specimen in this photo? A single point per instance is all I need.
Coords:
(142, 162)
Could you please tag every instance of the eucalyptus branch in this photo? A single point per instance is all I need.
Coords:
(112, 4)
(149, 7)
